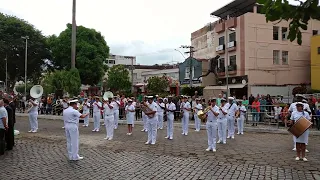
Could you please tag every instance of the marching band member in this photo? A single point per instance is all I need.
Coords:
(222, 122)
(97, 105)
(108, 116)
(303, 139)
(211, 125)
(71, 120)
(240, 119)
(160, 111)
(33, 115)
(232, 109)
(116, 112)
(186, 108)
(152, 121)
(144, 117)
(130, 112)
(86, 110)
(170, 108)
(197, 121)
(307, 109)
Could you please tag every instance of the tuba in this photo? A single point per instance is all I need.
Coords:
(145, 108)
(107, 95)
(35, 92)
(202, 114)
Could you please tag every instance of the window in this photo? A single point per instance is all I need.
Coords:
(276, 56)
(314, 32)
(232, 37)
(221, 63)
(275, 33)
(221, 40)
(318, 50)
(187, 73)
(233, 60)
(284, 33)
(285, 58)
(111, 62)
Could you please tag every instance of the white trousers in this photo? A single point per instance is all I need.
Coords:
(185, 123)
(212, 134)
(240, 122)
(152, 130)
(222, 130)
(160, 120)
(170, 120)
(295, 138)
(86, 119)
(33, 119)
(230, 125)
(145, 120)
(197, 122)
(109, 123)
(96, 120)
(116, 118)
(72, 135)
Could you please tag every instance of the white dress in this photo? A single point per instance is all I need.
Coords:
(295, 116)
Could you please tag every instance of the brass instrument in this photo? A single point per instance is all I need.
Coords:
(202, 114)
(238, 113)
(35, 92)
(145, 108)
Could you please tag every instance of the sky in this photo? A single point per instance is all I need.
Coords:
(148, 29)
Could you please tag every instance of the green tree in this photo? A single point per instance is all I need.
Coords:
(118, 79)
(92, 53)
(298, 16)
(20, 88)
(158, 85)
(12, 46)
(190, 91)
(67, 81)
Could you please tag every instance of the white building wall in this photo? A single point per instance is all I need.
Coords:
(173, 73)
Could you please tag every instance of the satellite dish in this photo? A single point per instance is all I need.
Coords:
(244, 81)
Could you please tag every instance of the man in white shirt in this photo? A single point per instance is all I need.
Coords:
(232, 109)
(97, 105)
(197, 121)
(71, 120)
(33, 115)
(241, 118)
(86, 110)
(186, 108)
(170, 108)
(211, 125)
(3, 126)
(152, 121)
(116, 105)
(222, 122)
(108, 115)
(160, 111)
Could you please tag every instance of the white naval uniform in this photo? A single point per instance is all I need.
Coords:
(134, 105)
(170, 119)
(129, 114)
(96, 115)
(160, 112)
(145, 120)
(152, 125)
(231, 118)
(33, 117)
(116, 114)
(222, 125)
(86, 109)
(211, 126)
(71, 121)
(185, 118)
(295, 116)
(240, 120)
(108, 116)
(197, 121)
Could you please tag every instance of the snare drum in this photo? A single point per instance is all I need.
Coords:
(299, 127)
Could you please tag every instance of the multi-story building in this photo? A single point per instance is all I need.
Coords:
(188, 75)
(124, 60)
(315, 62)
(256, 55)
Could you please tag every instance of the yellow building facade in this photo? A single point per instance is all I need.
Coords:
(315, 62)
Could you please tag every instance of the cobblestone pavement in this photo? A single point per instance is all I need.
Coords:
(250, 156)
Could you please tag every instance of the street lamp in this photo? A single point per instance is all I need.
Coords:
(25, 66)
(73, 36)
(227, 58)
(6, 81)
(180, 53)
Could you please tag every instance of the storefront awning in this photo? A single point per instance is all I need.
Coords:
(231, 86)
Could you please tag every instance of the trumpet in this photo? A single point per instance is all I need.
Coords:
(145, 108)
(238, 114)
(202, 114)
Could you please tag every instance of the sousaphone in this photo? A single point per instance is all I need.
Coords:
(107, 95)
(36, 91)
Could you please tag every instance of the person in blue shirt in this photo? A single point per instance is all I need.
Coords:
(318, 117)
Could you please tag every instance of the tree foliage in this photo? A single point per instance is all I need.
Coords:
(298, 16)
(158, 85)
(20, 88)
(92, 52)
(118, 79)
(190, 91)
(12, 47)
(68, 81)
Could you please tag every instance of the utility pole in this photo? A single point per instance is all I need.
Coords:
(132, 68)
(25, 66)
(191, 51)
(73, 36)
(6, 74)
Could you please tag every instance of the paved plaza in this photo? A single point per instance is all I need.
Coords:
(250, 156)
